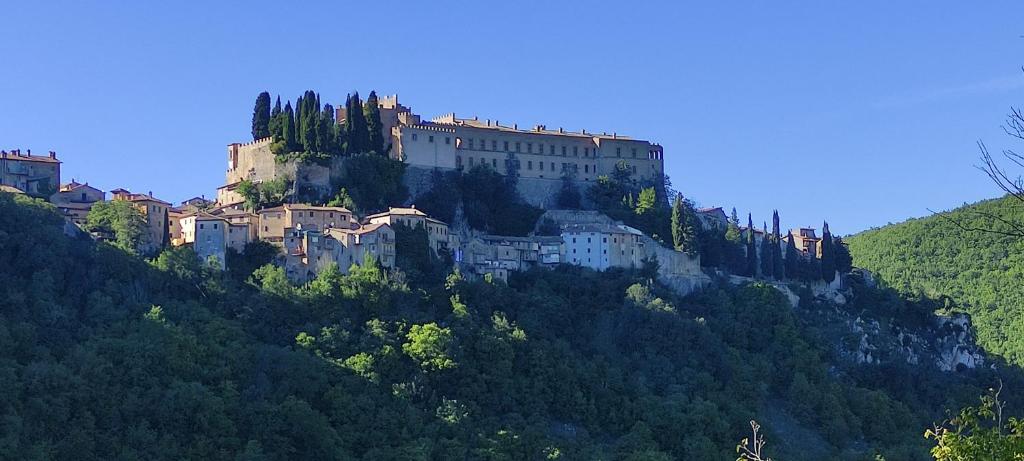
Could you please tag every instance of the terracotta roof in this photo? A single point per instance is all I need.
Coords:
(360, 230)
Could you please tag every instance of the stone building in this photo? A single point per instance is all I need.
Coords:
(602, 246)
(156, 213)
(275, 222)
(36, 175)
(805, 241)
(207, 235)
(307, 252)
(712, 217)
(498, 255)
(439, 238)
(254, 161)
(75, 200)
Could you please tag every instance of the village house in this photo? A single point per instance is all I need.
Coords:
(307, 252)
(274, 223)
(156, 213)
(207, 235)
(602, 246)
(438, 235)
(805, 241)
(497, 255)
(75, 200)
(243, 226)
(35, 175)
(712, 217)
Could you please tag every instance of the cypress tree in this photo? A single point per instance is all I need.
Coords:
(326, 136)
(374, 126)
(684, 232)
(288, 133)
(778, 265)
(767, 264)
(356, 134)
(261, 117)
(276, 125)
(828, 256)
(792, 262)
(309, 119)
(751, 267)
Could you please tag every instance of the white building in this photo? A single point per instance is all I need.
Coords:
(208, 236)
(601, 246)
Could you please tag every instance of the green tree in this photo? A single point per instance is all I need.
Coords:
(288, 134)
(792, 258)
(979, 433)
(276, 123)
(356, 133)
(261, 117)
(751, 249)
(374, 126)
(778, 265)
(684, 231)
(828, 255)
(122, 220)
(766, 254)
(430, 346)
(568, 195)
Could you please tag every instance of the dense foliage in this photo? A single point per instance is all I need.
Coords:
(981, 272)
(121, 222)
(488, 200)
(106, 356)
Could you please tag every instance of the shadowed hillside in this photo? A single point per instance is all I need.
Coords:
(980, 272)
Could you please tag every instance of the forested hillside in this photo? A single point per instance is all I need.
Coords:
(107, 356)
(979, 272)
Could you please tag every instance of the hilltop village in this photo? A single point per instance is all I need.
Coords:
(319, 187)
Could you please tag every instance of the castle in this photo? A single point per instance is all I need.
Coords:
(539, 157)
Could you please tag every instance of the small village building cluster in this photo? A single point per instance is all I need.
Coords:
(312, 238)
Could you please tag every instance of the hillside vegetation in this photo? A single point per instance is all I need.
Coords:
(104, 355)
(978, 272)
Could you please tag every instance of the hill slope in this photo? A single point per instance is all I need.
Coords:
(981, 272)
(106, 356)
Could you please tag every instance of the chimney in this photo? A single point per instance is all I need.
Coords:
(150, 193)
(53, 154)
(561, 130)
(515, 126)
(615, 135)
(30, 152)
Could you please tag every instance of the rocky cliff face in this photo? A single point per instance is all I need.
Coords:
(859, 336)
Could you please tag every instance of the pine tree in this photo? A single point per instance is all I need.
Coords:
(828, 256)
(751, 268)
(276, 125)
(792, 261)
(261, 117)
(767, 264)
(778, 265)
(374, 126)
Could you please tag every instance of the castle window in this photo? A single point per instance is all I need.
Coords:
(529, 165)
(447, 140)
(202, 226)
(430, 138)
(215, 226)
(634, 153)
(551, 149)
(529, 147)
(563, 151)
(586, 168)
(494, 163)
(506, 146)
(552, 166)
(494, 145)
(540, 166)
(414, 136)
(618, 152)
(586, 152)
(576, 151)
(470, 143)
(517, 147)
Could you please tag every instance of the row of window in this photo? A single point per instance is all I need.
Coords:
(471, 144)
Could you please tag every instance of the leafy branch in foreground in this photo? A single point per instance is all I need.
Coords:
(752, 449)
(979, 433)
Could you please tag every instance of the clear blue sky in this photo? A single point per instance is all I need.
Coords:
(861, 113)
